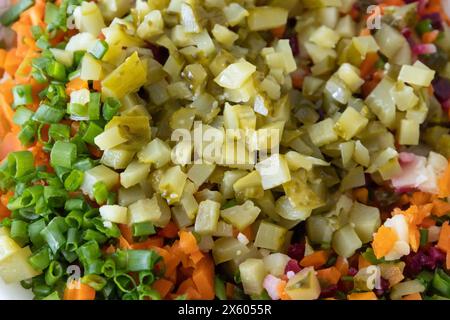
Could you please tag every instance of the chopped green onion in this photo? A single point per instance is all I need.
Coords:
(20, 163)
(48, 114)
(74, 180)
(56, 70)
(75, 204)
(55, 197)
(146, 277)
(91, 132)
(94, 235)
(423, 237)
(441, 283)
(13, 13)
(84, 164)
(94, 106)
(52, 296)
(88, 217)
(54, 237)
(99, 49)
(89, 251)
(424, 26)
(100, 192)
(73, 239)
(19, 232)
(53, 273)
(41, 258)
(93, 266)
(34, 234)
(109, 268)
(63, 154)
(219, 288)
(74, 219)
(110, 108)
(136, 260)
(124, 282)
(27, 134)
(143, 229)
(147, 292)
(22, 95)
(58, 131)
(94, 281)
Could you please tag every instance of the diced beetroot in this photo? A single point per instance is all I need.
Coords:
(328, 292)
(427, 48)
(407, 33)
(441, 88)
(345, 286)
(293, 41)
(435, 18)
(296, 251)
(352, 271)
(293, 266)
(384, 287)
(428, 258)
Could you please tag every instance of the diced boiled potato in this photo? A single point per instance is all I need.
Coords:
(366, 220)
(409, 132)
(134, 173)
(88, 18)
(325, 37)
(100, 173)
(404, 97)
(252, 273)
(350, 75)
(188, 201)
(91, 68)
(172, 184)
(189, 18)
(346, 241)
(275, 263)
(130, 195)
(110, 138)
(274, 171)
(416, 75)
(15, 267)
(224, 36)
(241, 216)
(180, 217)
(154, 210)
(234, 76)
(350, 123)
(114, 213)
(270, 236)
(304, 285)
(117, 158)
(323, 132)
(266, 18)
(207, 217)
(235, 14)
(156, 152)
(228, 248)
(7, 246)
(199, 173)
(296, 161)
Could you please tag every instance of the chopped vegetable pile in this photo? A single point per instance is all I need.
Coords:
(329, 179)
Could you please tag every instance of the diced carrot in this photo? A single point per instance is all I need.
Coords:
(229, 290)
(447, 259)
(182, 288)
(124, 244)
(193, 294)
(188, 243)
(9, 143)
(97, 85)
(440, 208)
(169, 231)
(94, 151)
(297, 78)
(79, 291)
(430, 37)
(367, 67)
(342, 265)
(444, 183)
(368, 86)
(279, 31)
(75, 85)
(163, 286)
(3, 53)
(248, 233)
(383, 241)
(362, 262)
(428, 222)
(361, 195)
(148, 244)
(197, 256)
(419, 198)
(364, 32)
(414, 237)
(203, 278)
(126, 232)
(444, 236)
(413, 296)
(362, 296)
(317, 259)
(329, 276)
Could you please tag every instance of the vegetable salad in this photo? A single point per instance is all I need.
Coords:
(329, 177)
